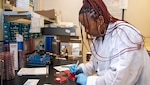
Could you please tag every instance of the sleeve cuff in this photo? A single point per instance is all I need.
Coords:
(91, 80)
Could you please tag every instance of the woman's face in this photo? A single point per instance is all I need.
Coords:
(91, 25)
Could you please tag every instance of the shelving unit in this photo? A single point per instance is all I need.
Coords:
(19, 22)
(22, 17)
(11, 5)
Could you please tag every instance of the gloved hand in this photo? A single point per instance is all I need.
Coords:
(81, 79)
(75, 69)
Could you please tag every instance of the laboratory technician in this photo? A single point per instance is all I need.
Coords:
(118, 53)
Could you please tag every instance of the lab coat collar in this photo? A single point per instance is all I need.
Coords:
(112, 26)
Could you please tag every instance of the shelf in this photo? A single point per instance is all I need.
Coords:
(71, 31)
(9, 7)
(22, 17)
(70, 39)
(19, 22)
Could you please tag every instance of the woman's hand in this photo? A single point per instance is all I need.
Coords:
(75, 69)
(81, 79)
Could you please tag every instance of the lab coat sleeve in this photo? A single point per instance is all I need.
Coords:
(91, 80)
(88, 68)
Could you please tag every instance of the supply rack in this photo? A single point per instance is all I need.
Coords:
(20, 22)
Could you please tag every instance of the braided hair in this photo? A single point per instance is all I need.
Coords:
(96, 8)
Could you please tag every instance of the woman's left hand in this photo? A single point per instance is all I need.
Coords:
(81, 79)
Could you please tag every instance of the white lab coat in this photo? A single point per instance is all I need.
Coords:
(129, 68)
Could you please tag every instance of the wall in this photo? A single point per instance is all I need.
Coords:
(69, 9)
(1, 3)
(38, 5)
(138, 13)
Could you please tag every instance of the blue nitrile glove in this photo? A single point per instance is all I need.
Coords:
(81, 79)
(75, 69)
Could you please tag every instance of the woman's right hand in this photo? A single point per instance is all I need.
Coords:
(75, 69)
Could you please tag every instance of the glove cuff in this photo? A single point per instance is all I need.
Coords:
(79, 70)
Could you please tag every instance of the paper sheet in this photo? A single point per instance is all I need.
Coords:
(32, 71)
(123, 4)
(37, 22)
(60, 58)
(62, 67)
(23, 4)
(31, 82)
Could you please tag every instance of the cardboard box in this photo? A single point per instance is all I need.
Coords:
(47, 13)
(13, 2)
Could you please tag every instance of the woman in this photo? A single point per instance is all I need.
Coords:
(118, 53)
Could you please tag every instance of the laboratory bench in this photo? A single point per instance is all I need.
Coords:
(20, 80)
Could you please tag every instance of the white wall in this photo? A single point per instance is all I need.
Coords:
(69, 9)
(38, 5)
(138, 14)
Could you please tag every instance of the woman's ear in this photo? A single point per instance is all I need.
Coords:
(100, 20)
